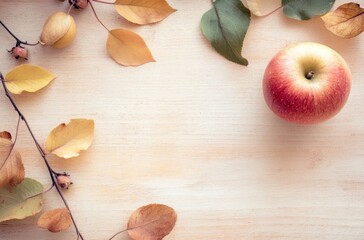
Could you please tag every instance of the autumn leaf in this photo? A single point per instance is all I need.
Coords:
(347, 21)
(67, 140)
(12, 170)
(55, 220)
(225, 26)
(23, 201)
(306, 9)
(27, 77)
(143, 11)
(263, 7)
(128, 48)
(151, 222)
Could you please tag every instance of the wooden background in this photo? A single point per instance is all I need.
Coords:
(191, 131)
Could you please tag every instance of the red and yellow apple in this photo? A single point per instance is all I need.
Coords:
(306, 83)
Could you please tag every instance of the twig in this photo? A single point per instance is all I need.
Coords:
(52, 173)
(18, 41)
(98, 19)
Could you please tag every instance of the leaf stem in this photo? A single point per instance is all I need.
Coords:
(98, 19)
(12, 147)
(52, 173)
(18, 41)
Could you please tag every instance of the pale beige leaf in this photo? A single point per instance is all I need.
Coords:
(27, 77)
(12, 170)
(128, 48)
(5, 135)
(55, 220)
(263, 7)
(23, 201)
(56, 27)
(151, 222)
(347, 21)
(67, 141)
(143, 11)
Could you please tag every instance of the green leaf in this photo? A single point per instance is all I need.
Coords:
(20, 203)
(225, 26)
(306, 9)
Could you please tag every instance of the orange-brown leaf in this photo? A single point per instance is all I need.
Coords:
(55, 220)
(143, 11)
(347, 21)
(12, 170)
(151, 222)
(5, 135)
(128, 48)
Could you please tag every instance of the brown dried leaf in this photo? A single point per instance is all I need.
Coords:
(5, 135)
(143, 11)
(151, 222)
(12, 170)
(347, 21)
(128, 48)
(55, 220)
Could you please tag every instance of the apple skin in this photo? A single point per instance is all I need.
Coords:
(292, 96)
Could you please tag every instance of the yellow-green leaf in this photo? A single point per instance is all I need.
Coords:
(27, 77)
(347, 21)
(143, 11)
(55, 220)
(128, 48)
(23, 201)
(11, 166)
(68, 140)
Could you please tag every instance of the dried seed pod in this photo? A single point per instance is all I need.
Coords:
(19, 52)
(64, 181)
(59, 30)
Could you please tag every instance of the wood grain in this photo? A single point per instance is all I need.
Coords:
(191, 131)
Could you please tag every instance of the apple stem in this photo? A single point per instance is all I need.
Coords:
(310, 75)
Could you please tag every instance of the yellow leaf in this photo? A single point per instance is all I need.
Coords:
(151, 222)
(12, 170)
(55, 220)
(27, 77)
(346, 21)
(67, 141)
(143, 11)
(263, 7)
(128, 48)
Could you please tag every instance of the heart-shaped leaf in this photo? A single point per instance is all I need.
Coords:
(128, 48)
(55, 220)
(69, 140)
(23, 201)
(225, 26)
(11, 166)
(27, 77)
(151, 222)
(347, 21)
(306, 9)
(263, 7)
(143, 11)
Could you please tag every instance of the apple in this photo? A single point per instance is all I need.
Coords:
(306, 83)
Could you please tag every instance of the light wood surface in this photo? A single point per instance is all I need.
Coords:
(191, 131)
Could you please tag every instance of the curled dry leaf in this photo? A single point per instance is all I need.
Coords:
(263, 7)
(151, 222)
(27, 77)
(225, 26)
(128, 48)
(347, 21)
(55, 220)
(143, 11)
(68, 140)
(59, 30)
(12, 170)
(23, 201)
